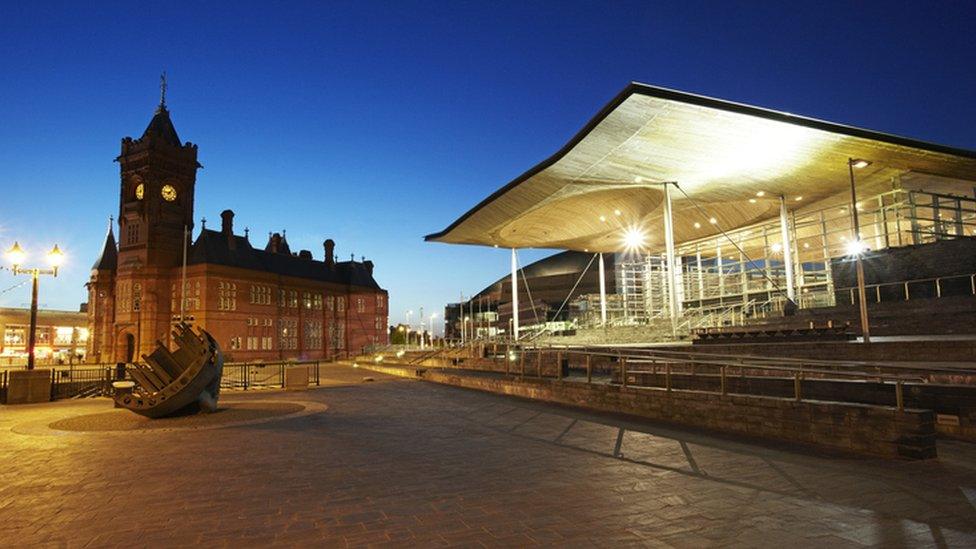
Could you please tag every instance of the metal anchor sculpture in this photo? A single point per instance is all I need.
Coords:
(184, 381)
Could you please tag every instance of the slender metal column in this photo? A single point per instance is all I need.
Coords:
(669, 247)
(859, 264)
(603, 293)
(515, 303)
(721, 273)
(784, 229)
(701, 276)
(797, 260)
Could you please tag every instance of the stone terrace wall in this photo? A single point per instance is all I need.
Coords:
(861, 429)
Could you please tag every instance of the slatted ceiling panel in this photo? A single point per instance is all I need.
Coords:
(718, 153)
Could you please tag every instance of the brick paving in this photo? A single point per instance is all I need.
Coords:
(397, 462)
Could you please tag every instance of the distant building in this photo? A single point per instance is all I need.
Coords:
(61, 335)
(720, 214)
(260, 303)
(551, 290)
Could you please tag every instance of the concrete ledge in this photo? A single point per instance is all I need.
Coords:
(28, 386)
(869, 430)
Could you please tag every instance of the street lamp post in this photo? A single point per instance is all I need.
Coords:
(408, 326)
(421, 331)
(858, 249)
(432, 317)
(16, 255)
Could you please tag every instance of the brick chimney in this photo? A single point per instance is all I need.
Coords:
(329, 245)
(227, 227)
(227, 222)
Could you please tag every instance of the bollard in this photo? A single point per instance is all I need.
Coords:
(522, 364)
(538, 364)
(623, 371)
(667, 376)
(796, 386)
(559, 365)
(899, 396)
(724, 390)
(589, 368)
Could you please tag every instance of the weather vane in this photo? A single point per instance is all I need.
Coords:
(162, 90)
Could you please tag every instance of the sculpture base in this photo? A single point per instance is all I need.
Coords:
(296, 378)
(28, 386)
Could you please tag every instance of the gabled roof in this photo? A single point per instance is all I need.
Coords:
(215, 247)
(734, 160)
(109, 258)
(161, 127)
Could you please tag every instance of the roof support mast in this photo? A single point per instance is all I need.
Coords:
(784, 229)
(603, 293)
(673, 276)
(515, 303)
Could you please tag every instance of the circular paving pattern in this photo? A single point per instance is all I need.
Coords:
(235, 413)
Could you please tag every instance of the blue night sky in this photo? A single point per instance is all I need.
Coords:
(377, 123)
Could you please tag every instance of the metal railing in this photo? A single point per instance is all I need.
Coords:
(715, 373)
(924, 288)
(80, 382)
(96, 380)
(264, 375)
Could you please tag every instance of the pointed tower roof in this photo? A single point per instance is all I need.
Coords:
(161, 126)
(109, 259)
(285, 248)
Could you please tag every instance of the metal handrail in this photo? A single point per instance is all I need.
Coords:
(905, 283)
(760, 362)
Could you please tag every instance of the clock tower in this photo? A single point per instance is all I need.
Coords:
(158, 175)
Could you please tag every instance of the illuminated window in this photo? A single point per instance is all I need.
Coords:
(14, 336)
(312, 334)
(227, 296)
(63, 335)
(288, 334)
(260, 295)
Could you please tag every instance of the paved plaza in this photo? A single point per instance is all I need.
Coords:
(397, 462)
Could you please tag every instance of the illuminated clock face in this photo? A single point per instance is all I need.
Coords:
(169, 193)
(140, 191)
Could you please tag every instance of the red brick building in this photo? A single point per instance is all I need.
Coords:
(260, 303)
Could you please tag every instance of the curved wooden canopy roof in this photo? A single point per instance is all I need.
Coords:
(733, 160)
